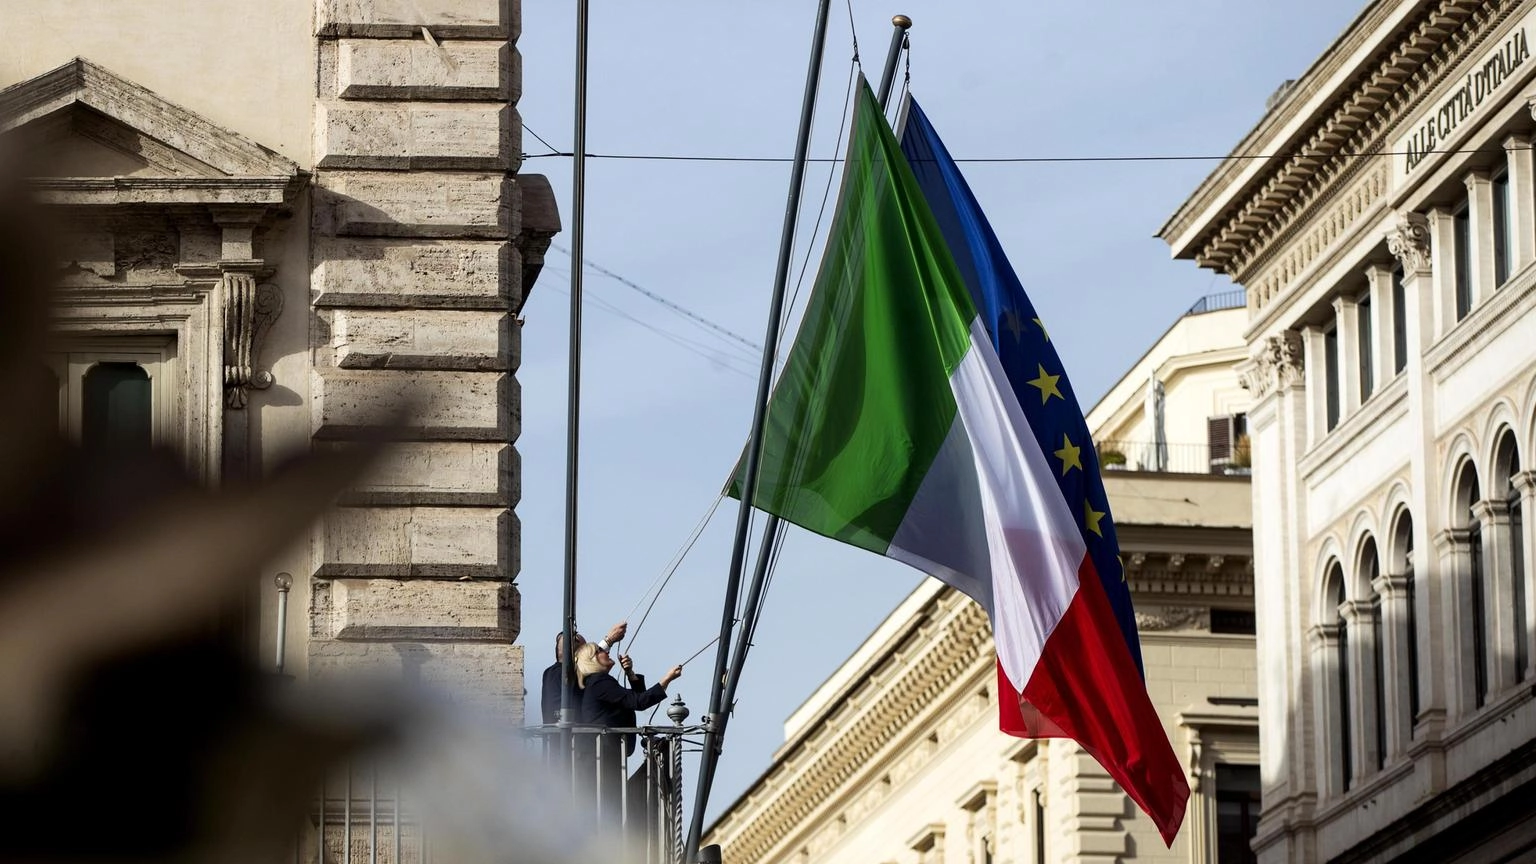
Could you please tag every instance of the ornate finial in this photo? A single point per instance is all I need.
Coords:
(677, 711)
(1409, 241)
(283, 581)
(901, 21)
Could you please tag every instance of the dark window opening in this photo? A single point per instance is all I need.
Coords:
(1331, 376)
(117, 408)
(1399, 323)
(1463, 263)
(1237, 813)
(1238, 622)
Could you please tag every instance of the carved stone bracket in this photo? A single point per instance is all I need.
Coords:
(249, 309)
(1174, 618)
(1278, 365)
(1409, 242)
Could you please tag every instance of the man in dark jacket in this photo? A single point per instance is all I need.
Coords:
(549, 695)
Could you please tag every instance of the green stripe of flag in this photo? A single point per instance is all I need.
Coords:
(864, 401)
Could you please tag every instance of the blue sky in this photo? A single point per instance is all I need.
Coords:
(662, 422)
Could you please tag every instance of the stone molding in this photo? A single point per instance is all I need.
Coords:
(936, 658)
(1278, 365)
(218, 151)
(1159, 619)
(1409, 243)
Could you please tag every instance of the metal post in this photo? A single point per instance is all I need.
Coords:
(900, 25)
(373, 818)
(718, 709)
(283, 581)
(346, 819)
(573, 395)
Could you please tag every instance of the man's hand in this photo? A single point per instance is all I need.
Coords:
(617, 632)
(627, 665)
(673, 674)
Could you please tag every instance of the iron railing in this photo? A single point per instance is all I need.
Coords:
(1217, 302)
(365, 814)
(1170, 458)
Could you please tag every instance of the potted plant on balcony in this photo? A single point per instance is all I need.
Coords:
(1111, 459)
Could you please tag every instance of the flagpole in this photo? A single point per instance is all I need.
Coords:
(573, 393)
(900, 24)
(715, 721)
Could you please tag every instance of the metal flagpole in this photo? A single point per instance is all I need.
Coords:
(573, 396)
(718, 710)
(900, 24)
(771, 529)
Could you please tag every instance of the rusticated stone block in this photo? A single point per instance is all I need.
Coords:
(481, 136)
(441, 473)
(415, 339)
(487, 676)
(415, 69)
(463, 406)
(421, 274)
(425, 204)
(445, 19)
(432, 542)
(419, 609)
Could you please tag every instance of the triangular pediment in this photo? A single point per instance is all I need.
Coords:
(81, 120)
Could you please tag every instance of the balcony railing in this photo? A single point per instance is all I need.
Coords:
(1217, 302)
(367, 815)
(1170, 458)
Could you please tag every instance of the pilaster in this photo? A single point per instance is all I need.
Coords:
(1393, 591)
(1480, 209)
(1360, 619)
(1525, 482)
(1379, 278)
(1522, 201)
(1498, 593)
(1452, 544)
(1421, 244)
(423, 230)
(1331, 714)
(1347, 323)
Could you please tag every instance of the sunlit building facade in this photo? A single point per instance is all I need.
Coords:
(1387, 242)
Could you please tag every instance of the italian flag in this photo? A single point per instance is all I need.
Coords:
(922, 415)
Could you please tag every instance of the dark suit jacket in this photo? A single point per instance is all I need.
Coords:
(605, 702)
(549, 696)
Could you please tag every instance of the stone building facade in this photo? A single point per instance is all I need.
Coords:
(897, 758)
(1389, 251)
(285, 218)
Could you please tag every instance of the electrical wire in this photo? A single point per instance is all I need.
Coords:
(553, 150)
(711, 353)
(1041, 160)
(673, 306)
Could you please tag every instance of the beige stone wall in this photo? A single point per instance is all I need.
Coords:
(417, 217)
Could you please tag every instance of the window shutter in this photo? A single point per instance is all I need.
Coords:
(1219, 438)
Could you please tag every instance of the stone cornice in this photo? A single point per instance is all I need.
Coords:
(1311, 167)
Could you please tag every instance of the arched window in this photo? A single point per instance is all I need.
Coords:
(1402, 545)
(1468, 494)
(1506, 464)
(1335, 595)
(1369, 569)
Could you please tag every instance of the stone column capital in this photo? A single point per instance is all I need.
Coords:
(1277, 365)
(1409, 242)
(1390, 586)
(1524, 481)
